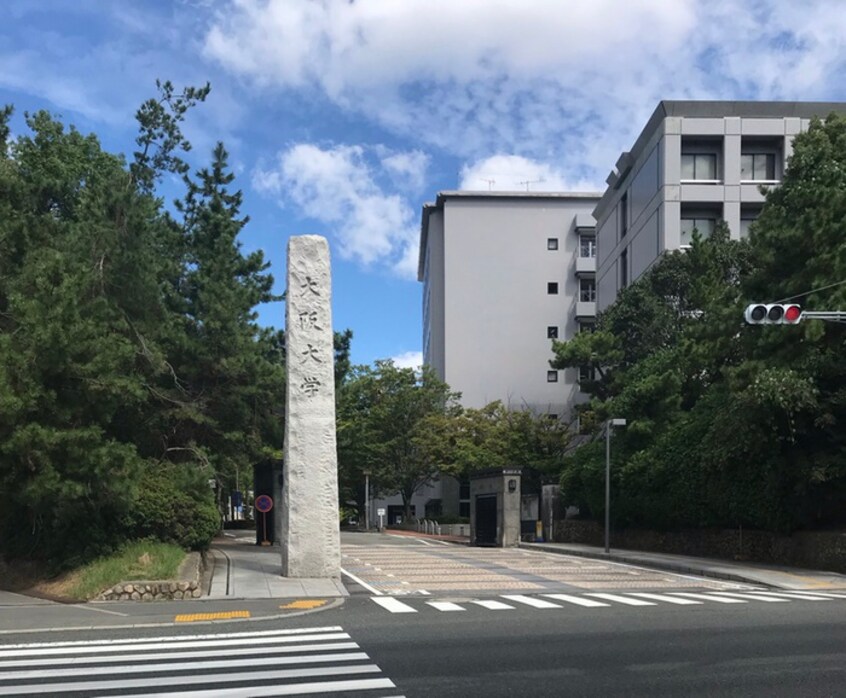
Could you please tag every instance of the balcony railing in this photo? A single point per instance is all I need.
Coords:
(585, 265)
(585, 309)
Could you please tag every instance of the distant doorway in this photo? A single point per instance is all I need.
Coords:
(486, 519)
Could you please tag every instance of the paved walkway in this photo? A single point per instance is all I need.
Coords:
(243, 570)
(775, 576)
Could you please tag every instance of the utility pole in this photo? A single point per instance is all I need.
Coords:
(610, 423)
(366, 500)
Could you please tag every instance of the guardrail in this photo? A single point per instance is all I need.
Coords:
(432, 527)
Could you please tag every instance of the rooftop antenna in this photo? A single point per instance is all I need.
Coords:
(490, 182)
(532, 181)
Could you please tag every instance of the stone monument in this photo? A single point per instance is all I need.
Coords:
(310, 532)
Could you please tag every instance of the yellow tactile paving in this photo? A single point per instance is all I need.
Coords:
(305, 604)
(221, 615)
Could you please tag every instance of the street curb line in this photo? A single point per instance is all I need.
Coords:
(335, 603)
(666, 566)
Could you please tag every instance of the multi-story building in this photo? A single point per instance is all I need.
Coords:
(694, 163)
(503, 274)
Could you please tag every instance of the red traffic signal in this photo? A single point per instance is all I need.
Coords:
(773, 314)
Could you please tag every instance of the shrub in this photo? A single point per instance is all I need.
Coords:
(174, 504)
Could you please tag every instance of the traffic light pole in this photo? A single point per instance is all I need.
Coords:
(787, 314)
(831, 316)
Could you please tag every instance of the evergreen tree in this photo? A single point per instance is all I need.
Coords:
(225, 407)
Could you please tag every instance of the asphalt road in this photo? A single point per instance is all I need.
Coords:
(792, 648)
(763, 649)
(533, 625)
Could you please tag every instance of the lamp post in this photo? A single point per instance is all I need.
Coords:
(366, 500)
(610, 423)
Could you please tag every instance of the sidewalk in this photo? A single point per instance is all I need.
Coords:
(775, 576)
(243, 570)
(244, 583)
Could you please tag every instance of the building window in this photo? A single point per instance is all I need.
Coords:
(464, 489)
(624, 215)
(587, 290)
(587, 326)
(704, 226)
(552, 288)
(586, 374)
(624, 268)
(699, 166)
(745, 223)
(552, 332)
(587, 246)
(552, 376)
(552, 243)
(757, 167)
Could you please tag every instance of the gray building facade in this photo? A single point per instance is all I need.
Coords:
(503, 274)
(694, 164)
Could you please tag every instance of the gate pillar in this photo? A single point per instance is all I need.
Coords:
(495, 507)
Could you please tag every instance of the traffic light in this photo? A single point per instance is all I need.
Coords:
(773, 314)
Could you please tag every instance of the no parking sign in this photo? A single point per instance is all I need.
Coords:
(264, 503)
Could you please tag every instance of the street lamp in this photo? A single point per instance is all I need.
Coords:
(367, 500)
(610, 423)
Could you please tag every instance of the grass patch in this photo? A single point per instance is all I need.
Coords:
(142, 560)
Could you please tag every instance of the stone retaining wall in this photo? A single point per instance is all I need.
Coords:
(821, 550)
(187, 586)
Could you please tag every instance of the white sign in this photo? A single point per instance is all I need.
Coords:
(380, 512)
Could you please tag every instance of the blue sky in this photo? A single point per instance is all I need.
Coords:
(343, 118)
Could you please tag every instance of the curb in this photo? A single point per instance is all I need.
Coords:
(650, 564)
(335, 603)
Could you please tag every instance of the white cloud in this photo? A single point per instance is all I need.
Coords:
(408, 359)
(516, 173)
(408, 169)
(338, 187)
(564, 83)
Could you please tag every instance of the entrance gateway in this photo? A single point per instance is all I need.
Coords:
(495, 507)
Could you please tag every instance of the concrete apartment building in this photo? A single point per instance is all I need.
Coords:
(694, 163)
(503, 274)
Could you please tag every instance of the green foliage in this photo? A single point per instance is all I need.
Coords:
(129, 349)
(380, 410)
(729, 424)
(462, 441)
(174, 504)
(139, 561)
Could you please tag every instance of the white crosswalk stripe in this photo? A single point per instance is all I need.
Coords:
(827, 594)
(279, 662)
(445, 606)
(806, 597)
(394, 605)
(625, 600)
(705, 597)
(605, 600)
(667, 599)
(577, 600)
(530, 601)
(493, 605)
(760, 596)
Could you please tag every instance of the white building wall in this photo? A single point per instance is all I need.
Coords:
(496, 305)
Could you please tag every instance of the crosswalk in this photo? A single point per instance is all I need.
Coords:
(596, 600)
(284, 662)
